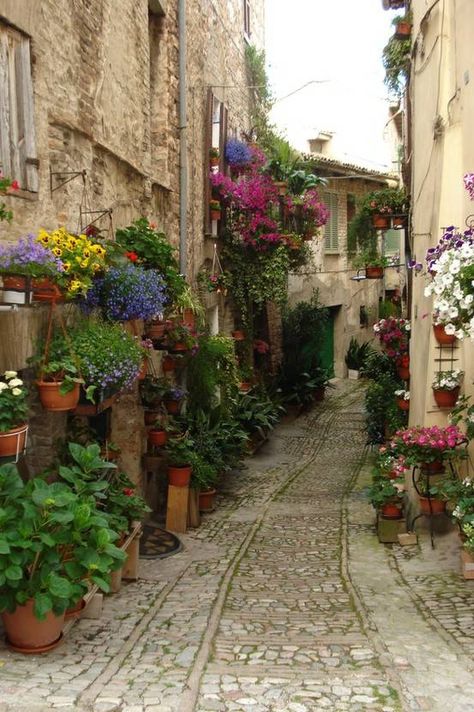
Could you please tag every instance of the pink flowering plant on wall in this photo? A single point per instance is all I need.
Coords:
(393, 334)
(421, 445)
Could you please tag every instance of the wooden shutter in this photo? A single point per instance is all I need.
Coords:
(17, 130)
(331, 230)
(207, 148)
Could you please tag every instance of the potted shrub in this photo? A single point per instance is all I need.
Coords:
(53, 543)
(355, 357)
(13, 415)
(446, 386)
(58, 374)
(203, 479)
(152, 389)
(179, 451)
(173, 399)
(393, 334)
(429, 447)
(403, 399)
(396, 61)
(386, 498)
(215, 209)
(179, 338)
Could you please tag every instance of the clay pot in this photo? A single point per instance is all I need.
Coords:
(374, 272)
(168, 364)
(214, 161)
(215, 214)
(44, 290)
(52, 399)
(446, 399)
(155, 330)
(14, 289)
(403, 372)
(27, 634)
(391, 510)
(173, 407)
(178, 347)
(433, 468)
(403, 404)
(245, 386)
(398, 222)
(282, 186)
(402, 30)
(438, 506)
(381, 222)
(76, 610)
(441, 336)
(143, 371)
(238, 335)
(12, 442)
(206, 500)
(157, 437)
(188, 318)
(179, 476)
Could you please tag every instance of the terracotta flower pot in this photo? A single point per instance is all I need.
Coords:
(215, 214)
(44, 290)
(238, 335)
(403, 372)
(403, 404)
(390, 510)
(14, 289)
(437, 505)
(157, 437)
(143, 371)
(12, 442)
(168, 364)
(444, 398)
(214, 161)
(441, 336)
(381, 222)
(245, 386)
(374, 272)
(206, 500)
(76, 610)
(402, 30)
(155, 330)
(398, 222)
(433, 468)
(173, 407)
(27, 634)
(178, 347)
(52, 399)
(179, 476)
(188, 318)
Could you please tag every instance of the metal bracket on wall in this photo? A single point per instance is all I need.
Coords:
(72, 175)
(99, 213)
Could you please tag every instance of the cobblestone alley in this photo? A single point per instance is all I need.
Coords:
(282, 600)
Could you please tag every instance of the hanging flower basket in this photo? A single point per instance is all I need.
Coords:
(441, 336)
(53, 400)
(446, 398)
(12, 442)
(372, 272)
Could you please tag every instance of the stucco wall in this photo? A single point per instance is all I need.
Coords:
(443, 150)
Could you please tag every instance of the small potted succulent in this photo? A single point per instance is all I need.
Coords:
(180, 453)
(446, 386)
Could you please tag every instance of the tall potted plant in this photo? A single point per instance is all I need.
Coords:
(179, 451)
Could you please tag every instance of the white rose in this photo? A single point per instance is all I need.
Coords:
(17, 392)
(15, 382)
(10, 374)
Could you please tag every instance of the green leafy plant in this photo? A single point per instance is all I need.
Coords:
(204, 473)
(396, 61)
(383, 491)
(212, 373)
(257, 413)
(58, 363)
(180, 450)
(152, 390)
(370, 258)
(53, 542)
(357, 354)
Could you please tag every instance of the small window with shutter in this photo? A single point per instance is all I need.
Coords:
(18, 158)
(331, 230)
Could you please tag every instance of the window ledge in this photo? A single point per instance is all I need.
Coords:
(23, 195)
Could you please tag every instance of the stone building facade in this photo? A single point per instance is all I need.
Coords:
(89, 126)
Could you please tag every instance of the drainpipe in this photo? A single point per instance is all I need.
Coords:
(183, 158)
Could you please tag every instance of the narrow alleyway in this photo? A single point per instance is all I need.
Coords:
(282, 600)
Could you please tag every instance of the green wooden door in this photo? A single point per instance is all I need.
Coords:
(327, 346)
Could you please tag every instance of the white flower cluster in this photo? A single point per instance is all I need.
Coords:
(447, 380)
(403, 394)
(12, 383)
(453, 304)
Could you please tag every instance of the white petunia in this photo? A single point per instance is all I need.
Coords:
(10, 374)
(3, 386)
(15, 382)
(17, 392)
(450, 329)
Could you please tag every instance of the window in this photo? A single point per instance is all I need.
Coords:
(17, 132)
(331, 230)
(247, 28)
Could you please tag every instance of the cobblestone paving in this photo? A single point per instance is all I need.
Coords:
(282, 600)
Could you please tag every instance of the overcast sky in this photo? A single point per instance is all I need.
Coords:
(340, 41)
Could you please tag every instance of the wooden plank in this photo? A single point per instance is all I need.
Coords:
(4, 106)
(194, 517)
(26, 115)
(130, 567)
(177, 509)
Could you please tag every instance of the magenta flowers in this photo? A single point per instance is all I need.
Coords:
(427, 444)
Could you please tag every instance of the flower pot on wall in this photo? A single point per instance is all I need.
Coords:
(446, 399)
(441, 336)
(157, 437)
(14, 289)
(27, 634)
(403, 404)
(238, 335)
(403, 372)
(374, 272)
(402, 30)
(173, 407)
(399, 222)
(155, 330)
(46, 291)
(168, 364)
(432, 505)
(52, 399)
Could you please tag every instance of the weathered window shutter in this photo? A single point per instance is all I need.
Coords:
(17, 131)
(331, 230)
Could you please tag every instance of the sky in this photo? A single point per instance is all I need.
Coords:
(340, 41)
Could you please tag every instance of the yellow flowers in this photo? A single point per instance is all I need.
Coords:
(81, 258)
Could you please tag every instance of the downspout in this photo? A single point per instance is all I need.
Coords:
(183, 157)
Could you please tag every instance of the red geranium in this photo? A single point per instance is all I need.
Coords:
(132, 256)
